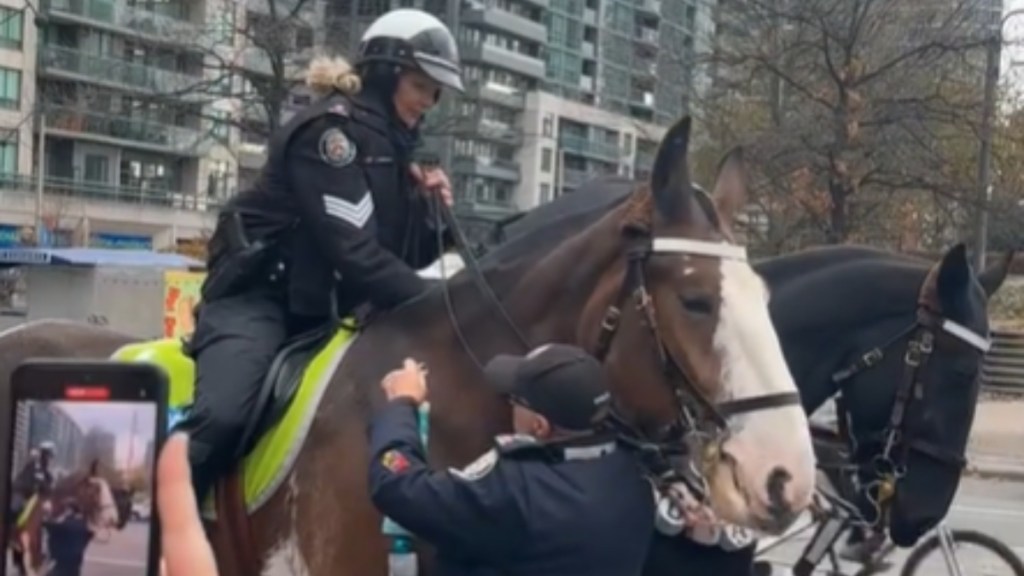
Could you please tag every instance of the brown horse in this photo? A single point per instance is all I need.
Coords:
(88, 490)
(655, 288)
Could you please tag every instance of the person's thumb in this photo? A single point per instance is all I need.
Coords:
(185, 548)
(416, 172)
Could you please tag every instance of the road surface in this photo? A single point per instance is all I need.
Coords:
(123, 555)
(990, 506)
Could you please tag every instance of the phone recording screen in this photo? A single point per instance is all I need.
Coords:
(82, 484)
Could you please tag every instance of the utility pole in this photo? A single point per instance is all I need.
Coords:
(40, 168)
(993, 54)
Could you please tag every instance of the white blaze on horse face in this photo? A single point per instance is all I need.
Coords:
(107, 515)
(772, 459)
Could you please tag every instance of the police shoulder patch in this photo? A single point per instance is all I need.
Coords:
(479, 468)
(394, 461)
(336, 149)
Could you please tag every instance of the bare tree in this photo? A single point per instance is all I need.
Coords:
(861, 113)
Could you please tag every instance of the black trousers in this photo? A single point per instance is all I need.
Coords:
(234, 344)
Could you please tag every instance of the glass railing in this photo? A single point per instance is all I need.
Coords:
(585, 146)
(143, 131)
(165, 19)
(150, 195)
(119, 71)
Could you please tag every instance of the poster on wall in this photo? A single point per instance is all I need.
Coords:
(181, 294)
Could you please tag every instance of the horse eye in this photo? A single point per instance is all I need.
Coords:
(698, 305)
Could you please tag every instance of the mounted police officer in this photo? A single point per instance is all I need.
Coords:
(557, 498)
(340, 217)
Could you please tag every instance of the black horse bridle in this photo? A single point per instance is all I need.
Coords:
(700, 421)
(890, 464)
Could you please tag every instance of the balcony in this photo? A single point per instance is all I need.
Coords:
(571, 178)
(497, 131)
(500, 94)
(646, 35)
(77, 65)
(487, 167)
(164, 21)
(146, 207)
(502, 58)
(513, 24)
(587, 147)
(129, 132)
(651, 6)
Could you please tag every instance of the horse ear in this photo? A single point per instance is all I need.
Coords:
(954, 275)
(992, 278)
(670, 178)
(730, 192)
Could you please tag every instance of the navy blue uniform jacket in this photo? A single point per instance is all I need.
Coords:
(590, 513)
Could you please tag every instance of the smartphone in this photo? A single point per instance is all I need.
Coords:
(82, 439)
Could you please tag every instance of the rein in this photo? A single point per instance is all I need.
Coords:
(693, 407)
(890, 463)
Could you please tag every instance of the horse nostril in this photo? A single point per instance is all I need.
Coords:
(778, 506)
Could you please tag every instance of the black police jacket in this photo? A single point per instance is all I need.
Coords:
(339, 169)
(582, 510)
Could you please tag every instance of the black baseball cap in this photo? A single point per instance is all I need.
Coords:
(558, 381)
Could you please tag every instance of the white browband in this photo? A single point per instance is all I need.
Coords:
(967, 335)
(700, 248)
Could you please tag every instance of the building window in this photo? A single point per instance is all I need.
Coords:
(545, 160)
(220, 123)
(545, 193)
(97, 168)
(9, 152)
(219, 179)
(548, 127)
(10, 88)
(10, 27)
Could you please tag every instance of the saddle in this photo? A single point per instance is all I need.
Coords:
(282, 382)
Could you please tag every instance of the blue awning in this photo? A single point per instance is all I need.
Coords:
(94, 257)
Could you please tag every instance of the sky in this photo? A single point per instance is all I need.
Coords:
(1012, 66)
(116, 417)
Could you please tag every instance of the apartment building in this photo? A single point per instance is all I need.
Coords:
(114, 95)
(557, 91)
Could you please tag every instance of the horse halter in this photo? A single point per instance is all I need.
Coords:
(890, 464)
(698, 417)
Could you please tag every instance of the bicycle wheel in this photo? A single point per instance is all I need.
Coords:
(993, 545)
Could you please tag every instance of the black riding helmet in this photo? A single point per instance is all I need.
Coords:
(409, 38)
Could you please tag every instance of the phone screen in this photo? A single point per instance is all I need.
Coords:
(82, 461)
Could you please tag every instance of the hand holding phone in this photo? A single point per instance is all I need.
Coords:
(82, 443)
(185, 548)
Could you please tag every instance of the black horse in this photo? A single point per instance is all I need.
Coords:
(891, 333)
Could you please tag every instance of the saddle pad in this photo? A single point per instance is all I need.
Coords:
(27, 511)
(271, 460)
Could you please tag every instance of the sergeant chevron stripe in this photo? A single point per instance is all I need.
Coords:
(355, 213)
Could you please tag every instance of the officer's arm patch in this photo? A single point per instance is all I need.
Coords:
(395, 461)
(336, 149)
(479, 468)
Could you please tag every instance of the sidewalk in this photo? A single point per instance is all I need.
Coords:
(996, 447)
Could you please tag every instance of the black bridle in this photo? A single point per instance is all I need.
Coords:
(700, 424)
(889, 465)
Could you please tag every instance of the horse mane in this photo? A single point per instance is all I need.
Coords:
(841, 272)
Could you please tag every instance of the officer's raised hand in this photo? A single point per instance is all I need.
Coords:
(410, 381)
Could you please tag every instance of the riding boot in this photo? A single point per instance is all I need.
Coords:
(203, 473)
